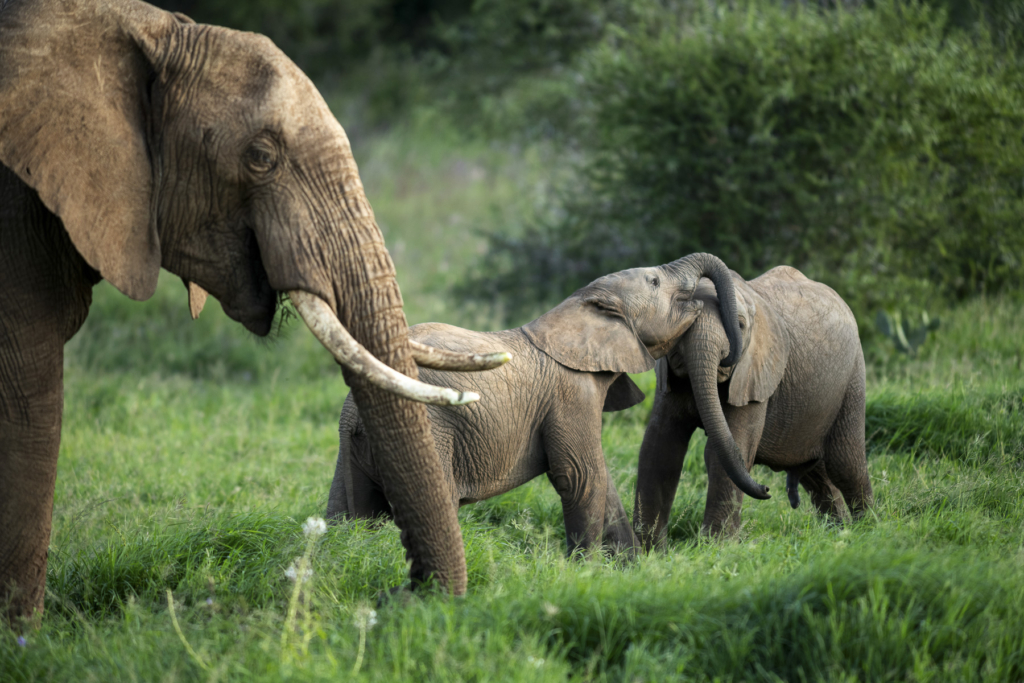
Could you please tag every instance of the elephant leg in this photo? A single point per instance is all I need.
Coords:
(30, 426)
(366, 497)
(583, 507)
(338, 504)
(618, 534)
(824, 495)
(337, 499)
(577, 470)
(845, 454)
(661, 462)
(47, 289)
(722, 511)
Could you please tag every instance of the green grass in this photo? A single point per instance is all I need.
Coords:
(191, 455)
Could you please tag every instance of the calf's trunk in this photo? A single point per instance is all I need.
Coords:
(702, 354)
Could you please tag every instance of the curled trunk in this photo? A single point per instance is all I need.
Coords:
(695, 266)
(702, 367)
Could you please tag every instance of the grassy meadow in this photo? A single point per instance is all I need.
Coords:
(192, 454)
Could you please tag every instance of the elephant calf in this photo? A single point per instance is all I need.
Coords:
(794, 401)
(541, 412)
(537, 417)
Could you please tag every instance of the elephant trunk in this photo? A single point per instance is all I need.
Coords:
(702, 356)
(407, 462)
(695, 266)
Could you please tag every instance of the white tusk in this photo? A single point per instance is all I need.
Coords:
(326, 327)
(196, 299)
(454, 361)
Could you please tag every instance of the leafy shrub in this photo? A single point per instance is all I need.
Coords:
(877, 149)
(505, 66)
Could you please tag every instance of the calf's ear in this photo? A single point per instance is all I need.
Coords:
(581, 336)
(622, 394)
(760, 368)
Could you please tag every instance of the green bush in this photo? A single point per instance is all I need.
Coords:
(877, 149)
(505, 67)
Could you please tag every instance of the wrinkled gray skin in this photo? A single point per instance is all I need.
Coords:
(794, 401)
(541, 412)
(539, 417)
(133, 139)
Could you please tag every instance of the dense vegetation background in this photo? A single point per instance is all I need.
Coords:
(875, 145)
(512, 151)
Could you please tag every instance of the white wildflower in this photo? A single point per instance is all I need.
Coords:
(314, 526)
(550, 610)
(292, 572)
(365, 618)
(536, 661)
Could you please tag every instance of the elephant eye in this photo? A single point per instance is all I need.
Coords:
(603, 306)
(260, 159)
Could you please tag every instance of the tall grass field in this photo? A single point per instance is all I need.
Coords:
(192, 454)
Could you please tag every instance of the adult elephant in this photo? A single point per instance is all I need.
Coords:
(794, 401)
(132, 138)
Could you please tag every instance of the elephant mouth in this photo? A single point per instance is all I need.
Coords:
(676, 362)
(257, 303)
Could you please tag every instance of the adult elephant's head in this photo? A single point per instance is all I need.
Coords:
(625, 321)
(161, 142)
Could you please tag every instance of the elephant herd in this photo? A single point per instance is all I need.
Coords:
(133, 139)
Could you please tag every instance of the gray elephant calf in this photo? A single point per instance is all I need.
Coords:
(794, 401)
(541, 412)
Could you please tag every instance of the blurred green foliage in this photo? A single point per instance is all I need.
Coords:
(875, 145)
(330, 37)
(877, 149)
(905, 333)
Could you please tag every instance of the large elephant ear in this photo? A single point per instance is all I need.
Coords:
(760, 369)
(73, 126)
(580, 336)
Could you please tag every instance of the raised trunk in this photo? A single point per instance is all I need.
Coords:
(696, 266)
(407, 461)
(702, 355)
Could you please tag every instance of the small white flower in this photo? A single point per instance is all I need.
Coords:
(365, 618)
(536, 661)
(550, 610)
(314, 526)
(292, 572)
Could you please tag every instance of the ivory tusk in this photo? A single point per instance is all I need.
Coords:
(454, 361)
(196, 299)
(326, 327)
